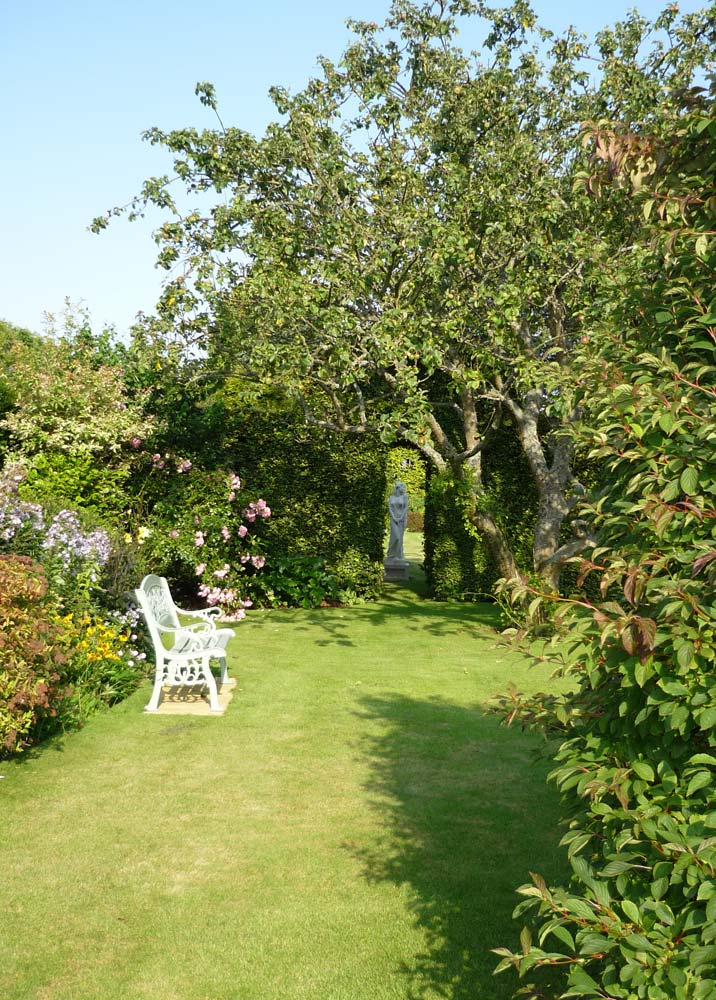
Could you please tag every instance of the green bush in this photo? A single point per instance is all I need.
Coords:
(637, 763)
(296, 581)
(203, 534)
(106, 658)
(80, 481)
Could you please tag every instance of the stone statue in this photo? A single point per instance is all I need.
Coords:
(395, 564)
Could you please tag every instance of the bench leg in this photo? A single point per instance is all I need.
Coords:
(211, 684)
(153, 703)
(225, 679)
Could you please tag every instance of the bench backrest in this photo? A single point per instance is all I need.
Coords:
(157, 606)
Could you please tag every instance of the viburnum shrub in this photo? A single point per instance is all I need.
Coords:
(204, 535)
(637, 763)
(31, 661)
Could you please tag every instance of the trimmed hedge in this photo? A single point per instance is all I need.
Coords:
(407, 465)
(326, 492)
(325, 537)
(457, 564)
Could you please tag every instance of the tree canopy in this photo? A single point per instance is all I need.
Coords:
(406, 251)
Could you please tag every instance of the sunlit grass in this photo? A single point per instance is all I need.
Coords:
(352, 829)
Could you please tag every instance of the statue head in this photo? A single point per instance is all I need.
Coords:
(400, 488)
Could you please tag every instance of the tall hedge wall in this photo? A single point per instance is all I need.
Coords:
(457, 565)
(326, 492)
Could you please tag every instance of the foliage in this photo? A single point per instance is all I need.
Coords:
(62, 658)
(327, 494)
(457, 563)
(30, 658)
(637, 763)
(12, 339)
(203, 534)
(297, 581)
(78, 411)
(417, 249)
(408, 466)
(71, 553)
(64, 403)
(79, 480)
(105, 661)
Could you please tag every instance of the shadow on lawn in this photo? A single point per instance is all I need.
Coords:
(403, 604)
(467, 815)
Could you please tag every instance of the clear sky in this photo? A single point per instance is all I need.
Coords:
(81, 79)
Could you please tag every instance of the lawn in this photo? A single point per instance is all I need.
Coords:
(353, 828)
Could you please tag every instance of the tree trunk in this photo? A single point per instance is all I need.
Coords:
(496, 544)
(551, 512)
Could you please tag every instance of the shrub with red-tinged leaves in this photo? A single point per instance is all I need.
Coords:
(30, 661)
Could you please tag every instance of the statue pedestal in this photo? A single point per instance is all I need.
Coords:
(395, 570)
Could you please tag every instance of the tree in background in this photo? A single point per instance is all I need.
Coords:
(637, 762)
(421, 264)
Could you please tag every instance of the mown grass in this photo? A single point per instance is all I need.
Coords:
(352, 829)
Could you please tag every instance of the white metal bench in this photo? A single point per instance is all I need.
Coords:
(186, 660)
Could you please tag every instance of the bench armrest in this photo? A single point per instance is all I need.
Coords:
(196, 627)
(208, 615)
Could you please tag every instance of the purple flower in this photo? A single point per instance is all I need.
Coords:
(199, 539)
(225, 533)
(184, 465)
(243, 531)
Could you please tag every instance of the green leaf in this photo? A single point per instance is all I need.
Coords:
(702, 758)
(689, 481)
(644, 770)
(580, 982)
(701, 780)
(659, 888)
(561, 932)
(702, 957)
(707, 718)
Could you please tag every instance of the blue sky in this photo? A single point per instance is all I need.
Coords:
(81, 79)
